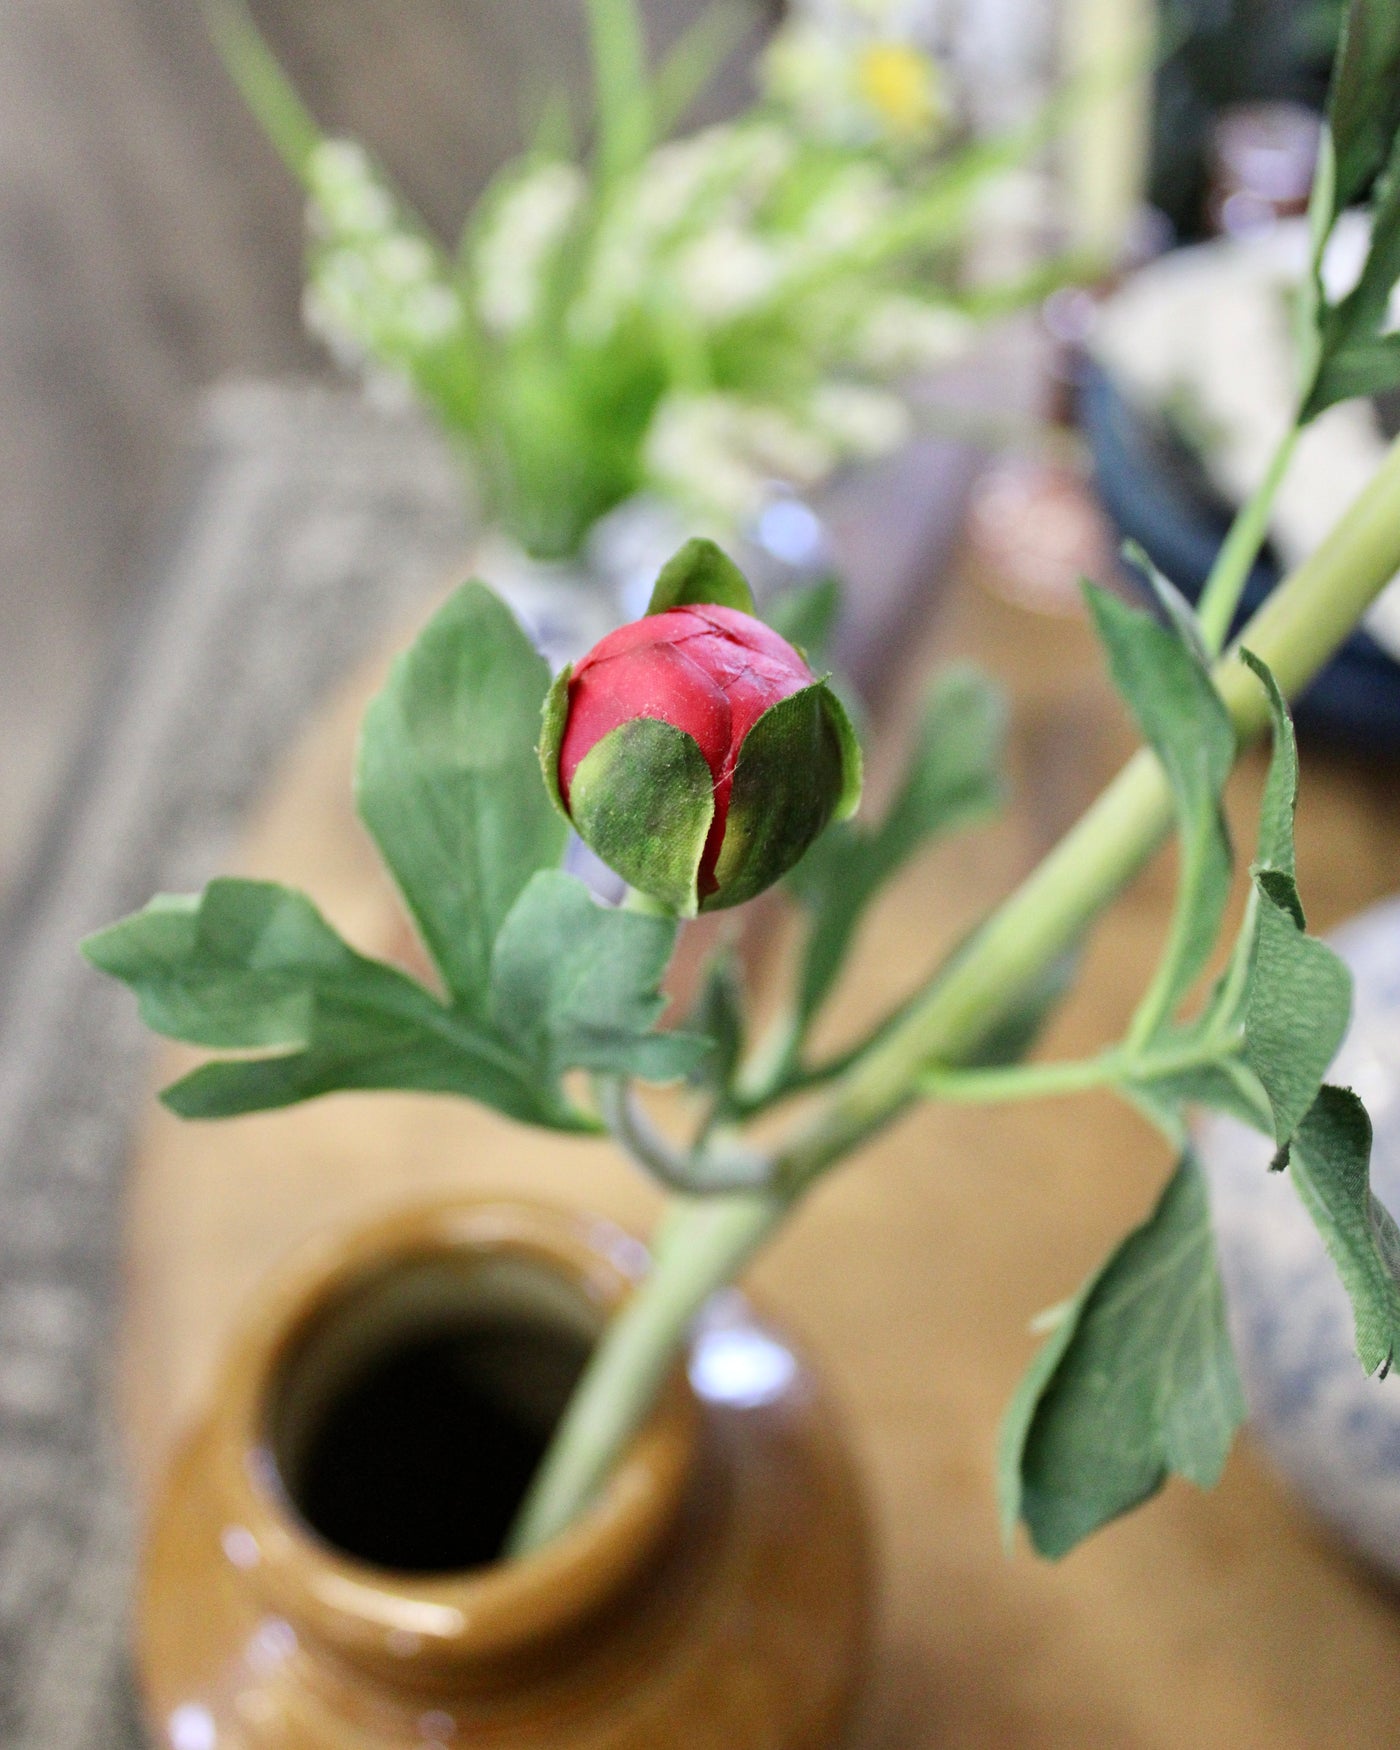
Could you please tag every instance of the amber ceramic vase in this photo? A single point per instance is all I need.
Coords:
(322, 1571)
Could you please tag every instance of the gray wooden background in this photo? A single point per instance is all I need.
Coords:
(150, 243)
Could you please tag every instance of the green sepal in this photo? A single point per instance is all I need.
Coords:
(643, 799)
(852, 759)
(701, 572)
(553, 718)
(798, 766)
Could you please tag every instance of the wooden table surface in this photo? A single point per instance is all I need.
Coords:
(1217, 1620)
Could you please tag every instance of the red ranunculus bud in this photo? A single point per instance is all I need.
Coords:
(694, 749)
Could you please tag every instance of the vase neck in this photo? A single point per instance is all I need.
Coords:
(513, 1295)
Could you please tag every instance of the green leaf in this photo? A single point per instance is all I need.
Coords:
(1177, 610)
(643, 799)
(1275, 856)
(1183, 720)
(1330, 1166)
(1296, 1014)
(621, 89)
(250, 965)
(697, 57)
(1361, 151)
(1137, 1380)
(718, 1015)
(262, 84)
(701, 572)
(806, 615)
(448, 784)
(1363, 105)
(794, 775)
(577, 985)
(1356, 357)
(952, 780)
(1227, 1085)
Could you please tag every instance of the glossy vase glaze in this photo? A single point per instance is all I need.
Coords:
(716, 1595)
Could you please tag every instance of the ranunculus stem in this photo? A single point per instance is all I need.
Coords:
(1295, 632)
(1242, 546)
(705, 1243)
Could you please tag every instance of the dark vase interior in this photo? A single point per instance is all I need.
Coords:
(408, 1418)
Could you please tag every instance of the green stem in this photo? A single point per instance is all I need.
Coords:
(1038, 1081)
(263, 86)
(1295, 632)
(1241, 547)
(704, 1245)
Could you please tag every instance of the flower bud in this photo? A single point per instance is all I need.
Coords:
(694, 750)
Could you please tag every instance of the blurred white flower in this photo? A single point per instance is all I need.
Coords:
(903, 334)
(687, 193)
(719, 455)
(519, 240)
(385, 301)
(859, 420)
(347, 197)
(723, 273)
(401, 260)
(854, 201)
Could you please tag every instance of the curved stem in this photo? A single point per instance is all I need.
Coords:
(1295, 632)
(634, 1131)
(704, 1245)
(709, 1169)
(1241, 547)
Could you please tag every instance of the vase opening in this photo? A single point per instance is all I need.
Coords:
(407, 1418)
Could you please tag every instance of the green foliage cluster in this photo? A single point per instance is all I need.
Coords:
(536, 977)
(695, 316)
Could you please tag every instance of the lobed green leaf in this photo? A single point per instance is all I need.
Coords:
(1183, 720)
(1353, 355)
(1296, 1014)
(1330, 1167)
(1138, 1380)
(1275, 855)
(576, 984)
(952, 779)
(1363, 105)
(251, 965)
(448, 785)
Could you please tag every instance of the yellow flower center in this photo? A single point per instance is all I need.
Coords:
(900, 83)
